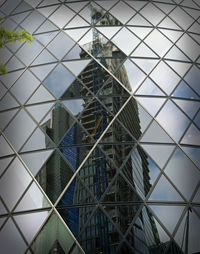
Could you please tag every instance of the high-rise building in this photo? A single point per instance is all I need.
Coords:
(99, 121)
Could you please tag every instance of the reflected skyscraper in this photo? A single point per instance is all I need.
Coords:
(106, 160)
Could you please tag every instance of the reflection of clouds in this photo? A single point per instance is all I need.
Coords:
(192, 136)
(193, 152)
(36, 219)
(164, 191)
(75, 106)
(135, 76)
(193, 77)
(33, 199)
(183, 173)
(165, 77)
(173, 120)
(13, 183)
(59, 80)
(169, 215)
(149, 88)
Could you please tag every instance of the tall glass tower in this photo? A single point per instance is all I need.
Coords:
(100, 128)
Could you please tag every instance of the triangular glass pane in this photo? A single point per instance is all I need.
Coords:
(8, 102)
(142, 50)
(76, 67)
(45, 37)
(61, 74)
(159, 153)
(171, 34)
(76, 6)
(11, 239)
(179, 67)
(141, 32)
(47, 26)
(164, 6)
(4, 147)
(138, 20)
(189, 107)
(173, 215)
(184, 91)
(192, 78)
(192, 136)
(25, 86)
(33, 199)
(149, 88)
(183, 173)
(106, 4)
(194, 28)
(173, 120)
(164, 191)
(158, 42)
(40, 95)
(122, 37)
(46, 11)
(54, 176)
(165, 77)
(5, 117)
(77, 21)
(17, 177)
(43, 58)
(176, 54)
(4, 163)
(76, 53)
(134, 75)
(62, 16)
(57, 122)
(38, 140)
(39, 111)
(22, 7)
(14, 64)
(53, 235)
(36, 219)
(34, 161)
(60, 45)
(152, 104)
(156, 134)
(152, 14)
(193, 152)
(76, 34)
(181, 17)
(125, 12)
(2, 90)
(145, 64)
(168, 23)
(18, 137)
(75, 106)
(10, 78)
(108, 31)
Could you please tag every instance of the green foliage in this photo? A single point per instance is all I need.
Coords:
(7, 36)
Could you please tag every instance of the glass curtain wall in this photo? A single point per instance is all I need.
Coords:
(100, 128)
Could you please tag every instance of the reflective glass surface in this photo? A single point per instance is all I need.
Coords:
(100, 128)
